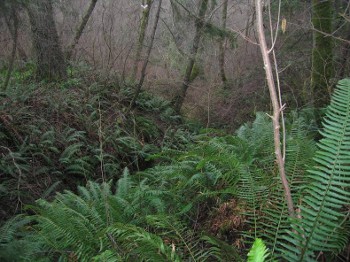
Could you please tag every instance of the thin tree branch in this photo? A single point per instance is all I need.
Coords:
(274, 38)
(277, 109)
(173, 36)
(321, 32)
(80, 29)
(244, 36)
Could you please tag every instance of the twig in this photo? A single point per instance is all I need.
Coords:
(274, 39)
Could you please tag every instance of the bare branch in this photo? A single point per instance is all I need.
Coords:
(80, 29)
(277, 108)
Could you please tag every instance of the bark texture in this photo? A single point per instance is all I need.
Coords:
(49, 56)
(14, 35)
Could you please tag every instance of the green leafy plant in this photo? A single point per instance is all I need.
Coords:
(94, 223)
(258, 252)
(98, 223)
(321, 225)
(52, 135)
(270, 217)
(206, 196)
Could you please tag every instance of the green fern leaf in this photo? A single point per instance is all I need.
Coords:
(320, 227)
(258, 252)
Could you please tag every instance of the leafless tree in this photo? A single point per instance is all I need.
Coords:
(275, 100)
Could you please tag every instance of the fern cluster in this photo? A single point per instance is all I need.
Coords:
(181, 207)
(60, 136)
(101, 224)
(207, 201)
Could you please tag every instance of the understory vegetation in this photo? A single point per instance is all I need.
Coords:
(86, 178)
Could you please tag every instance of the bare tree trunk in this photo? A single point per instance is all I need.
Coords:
(222, 46)
(50, 60)
(277, 108)
(14, 46)
(149, 50)
(80, 29)
(142, 33)
(200, 23)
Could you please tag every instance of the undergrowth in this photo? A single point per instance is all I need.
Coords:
(60, 135)
(150, 190)
(205, 202)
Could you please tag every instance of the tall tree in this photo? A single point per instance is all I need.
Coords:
(222, 45)
(322, 53)
(14, 35)
(80, 29)
(149, 49)
(200, 25)
(21, 53)
(50, 60)
(146, 7)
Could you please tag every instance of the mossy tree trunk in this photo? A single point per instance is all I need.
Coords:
(146, 5)
(322, 53)
(148, 54)
(200, 24)
(222, 45)
(49, 56)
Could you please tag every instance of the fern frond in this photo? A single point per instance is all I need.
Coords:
(185, 242)
(258, 252)
(264, 195)
(76, 222)
(220, 250)
(107, 256)
(258, 136)
(322, 217)
(140, 245)
(124, 184)
(17, 243)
